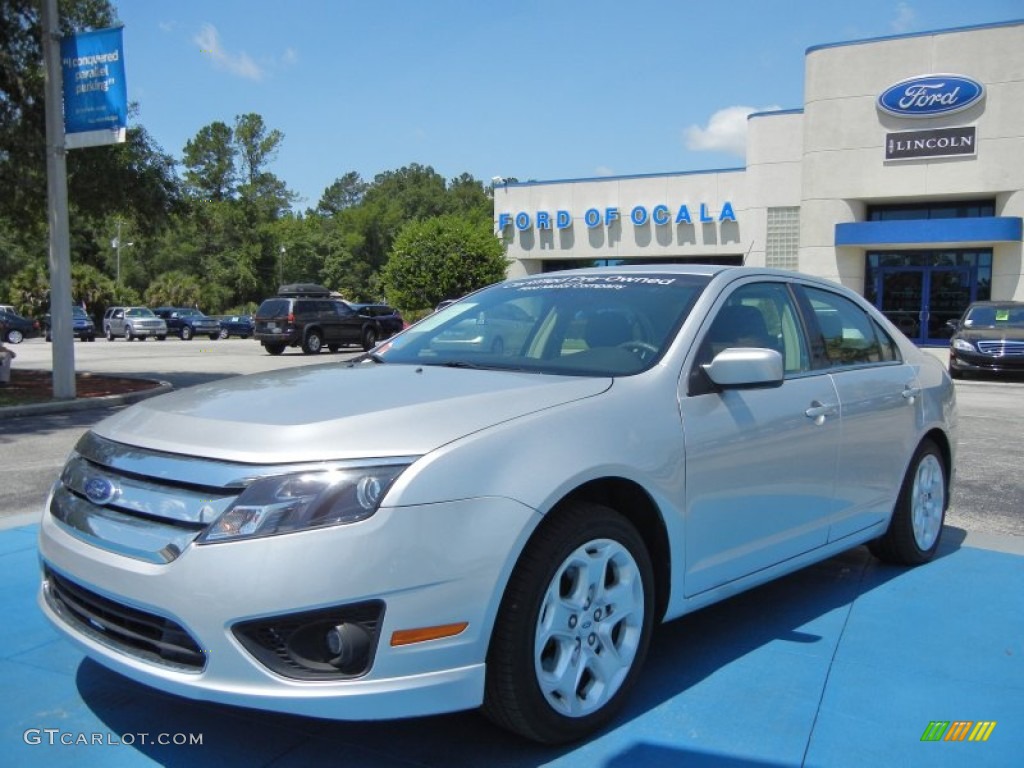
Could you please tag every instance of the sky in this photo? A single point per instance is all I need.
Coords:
(532, 89)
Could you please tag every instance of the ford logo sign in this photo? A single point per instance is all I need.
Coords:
(930, 95)
(100, 491)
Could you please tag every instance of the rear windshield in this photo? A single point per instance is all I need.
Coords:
(273, 308)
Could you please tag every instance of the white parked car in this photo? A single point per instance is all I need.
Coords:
(438, 528)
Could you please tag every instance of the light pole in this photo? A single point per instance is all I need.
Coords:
(280, 263)
(117, 247)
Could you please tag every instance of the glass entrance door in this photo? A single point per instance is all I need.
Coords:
(919, 300)
(949, 293)
(901, 298)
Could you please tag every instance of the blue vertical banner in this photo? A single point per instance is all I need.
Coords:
(95, 94)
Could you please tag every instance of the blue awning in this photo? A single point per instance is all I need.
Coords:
(983, 230)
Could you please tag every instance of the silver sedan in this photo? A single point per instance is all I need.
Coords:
(435, 527)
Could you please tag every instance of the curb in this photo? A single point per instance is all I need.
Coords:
(86, 403)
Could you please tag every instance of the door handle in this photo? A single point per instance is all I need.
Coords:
(819, 412)
(910, 393)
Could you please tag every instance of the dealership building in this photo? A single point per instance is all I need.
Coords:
(901, 177)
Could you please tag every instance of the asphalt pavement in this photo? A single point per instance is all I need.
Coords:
(846, 663)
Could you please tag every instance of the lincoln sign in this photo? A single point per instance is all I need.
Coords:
(943, 142)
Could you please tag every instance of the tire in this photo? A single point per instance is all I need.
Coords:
(110, 336)
(916, 526)
(128, 333)
(49, 336)
(954, 373)
(313, 343)
(223, 333)
(91, 337)
(570, 638)
(14, 336)
(185, 333)
(213, 336)
(274, 349)
(369, 338)
(161, 337)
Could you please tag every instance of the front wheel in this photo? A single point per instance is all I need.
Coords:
(110, 335)
(573, 628)
(128, 334)
(186, 333)
(14, 336)
(916, 525)
(223, 333)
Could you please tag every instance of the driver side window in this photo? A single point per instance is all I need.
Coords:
(761, 315)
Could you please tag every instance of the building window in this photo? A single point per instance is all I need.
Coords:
(947, 209)
(783, 242)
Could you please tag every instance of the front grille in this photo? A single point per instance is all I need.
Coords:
(1002, 348)
(139, 633)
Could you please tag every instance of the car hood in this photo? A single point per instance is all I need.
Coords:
(318, 412)
(991, 334)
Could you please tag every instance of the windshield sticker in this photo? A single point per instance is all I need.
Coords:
(592, 282)
(1002, 315)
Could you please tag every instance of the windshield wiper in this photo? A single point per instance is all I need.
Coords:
(373, 357)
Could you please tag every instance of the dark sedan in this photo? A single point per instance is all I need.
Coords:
(237, 325)
(988, 338)
(17, 328)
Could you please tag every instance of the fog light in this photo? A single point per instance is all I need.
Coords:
(348, 646)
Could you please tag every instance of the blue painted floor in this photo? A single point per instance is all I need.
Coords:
(842, 664)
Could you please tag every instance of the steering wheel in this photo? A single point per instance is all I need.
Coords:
(641, 349)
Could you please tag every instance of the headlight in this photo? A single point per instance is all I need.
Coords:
(963, 345)
(296, 502)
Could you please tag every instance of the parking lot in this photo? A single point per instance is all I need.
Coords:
(843, 663)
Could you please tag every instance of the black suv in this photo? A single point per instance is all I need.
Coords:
(307, 315)
(187, 322)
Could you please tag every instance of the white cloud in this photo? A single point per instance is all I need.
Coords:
(726, 131)
(905, 18)
(290, 57)
(603, 170)
(239, 64)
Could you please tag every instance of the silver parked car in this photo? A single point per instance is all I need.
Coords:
(498, 527)
(133, 323)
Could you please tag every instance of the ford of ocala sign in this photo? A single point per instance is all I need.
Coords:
(930, 95)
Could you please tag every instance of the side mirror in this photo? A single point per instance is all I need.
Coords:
(740, 367)
(954, 324)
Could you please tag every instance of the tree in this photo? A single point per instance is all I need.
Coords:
(174, 289)
(439, 258)
(209, 159)
(345, 192)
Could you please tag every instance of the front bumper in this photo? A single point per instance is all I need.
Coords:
(431, 565)
(968, 362)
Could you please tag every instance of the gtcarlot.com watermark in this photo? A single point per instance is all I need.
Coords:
(57, 737)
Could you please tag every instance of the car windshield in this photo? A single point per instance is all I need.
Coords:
(77, 311)
(995, 317)
(139, 312)
(592, 324)
(188, 313)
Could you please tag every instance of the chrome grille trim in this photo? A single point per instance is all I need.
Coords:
(1002, 348)
(126, 534)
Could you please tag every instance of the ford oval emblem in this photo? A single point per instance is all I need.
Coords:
(100, 491)
(930, 95)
